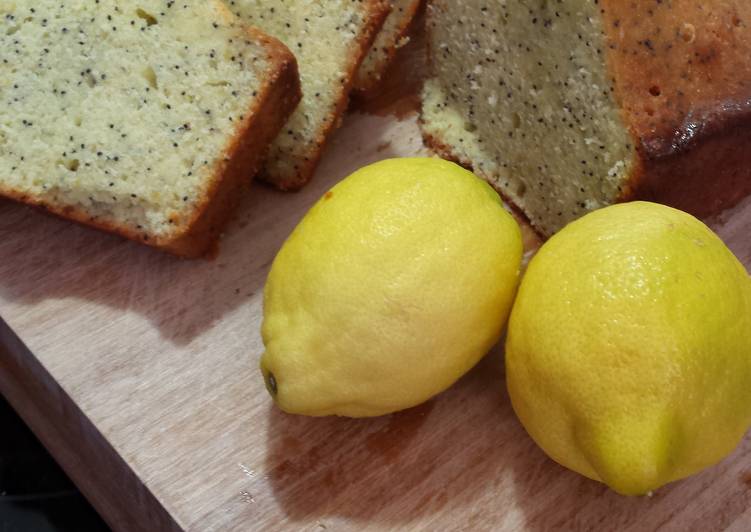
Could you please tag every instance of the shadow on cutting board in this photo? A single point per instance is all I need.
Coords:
(465, 454)
(46, 258)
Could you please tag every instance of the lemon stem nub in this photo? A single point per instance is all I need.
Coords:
(271, 383)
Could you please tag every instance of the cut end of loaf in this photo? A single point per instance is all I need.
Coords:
(529, 107)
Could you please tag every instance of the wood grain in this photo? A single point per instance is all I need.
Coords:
(105, 478)
(143, 382)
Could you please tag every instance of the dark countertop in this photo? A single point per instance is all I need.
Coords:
(35, 494)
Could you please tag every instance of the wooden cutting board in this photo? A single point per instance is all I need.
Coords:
(141, 377)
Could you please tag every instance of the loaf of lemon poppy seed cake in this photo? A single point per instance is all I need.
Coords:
(392, 36)
(330, 40)
(142, 118)
(569, 106)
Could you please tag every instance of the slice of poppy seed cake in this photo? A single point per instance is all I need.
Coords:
(389, 40)
(569, 106)
(141, 118)
(330, 40)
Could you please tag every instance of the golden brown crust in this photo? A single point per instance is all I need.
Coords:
(683, 79)
(276, 100)
(677, 65)
(377, 10)
(366, 84)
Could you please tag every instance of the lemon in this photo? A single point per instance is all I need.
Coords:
(396, 282)
(628, 354)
